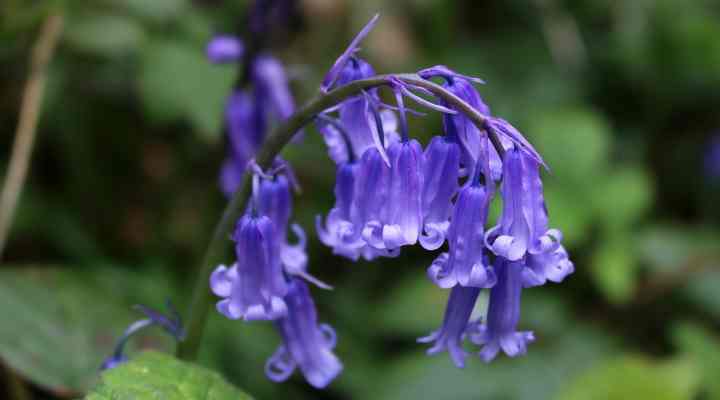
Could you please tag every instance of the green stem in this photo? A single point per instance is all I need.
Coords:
(202, 298)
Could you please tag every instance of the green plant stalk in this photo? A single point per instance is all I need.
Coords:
(202, 298)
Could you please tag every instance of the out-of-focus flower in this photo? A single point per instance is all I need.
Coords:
(225, 49)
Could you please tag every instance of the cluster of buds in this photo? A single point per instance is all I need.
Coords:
(389, 193)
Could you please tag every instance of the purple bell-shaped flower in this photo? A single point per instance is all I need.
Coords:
(455, 324)
(306, 344)
(254, 287)
(400, 220)
(465, 263)
(441, 166)
(511, 238)
(499, 332)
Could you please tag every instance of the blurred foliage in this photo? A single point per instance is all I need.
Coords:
(60, 323)
(621, 99)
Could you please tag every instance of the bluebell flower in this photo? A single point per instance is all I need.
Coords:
(399, 221)
(225, 49)
(511, 237)
(500, 330)
(547, 259)
(523, 234)
(307, 345)
(455, 325)
(273, 198)
(466, 263)
(254, 287)
(441, 166)
(341, 230)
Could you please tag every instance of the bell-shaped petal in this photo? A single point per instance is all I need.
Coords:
(371, 190)
(511, 238)
(500, 330)
(341, 231)
(441, 167)
(551, 266)
(465, 263)
(307, 345)
(455, 323)
(253, 289)
(400, 218)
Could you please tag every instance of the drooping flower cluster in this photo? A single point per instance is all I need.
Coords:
(391, 193)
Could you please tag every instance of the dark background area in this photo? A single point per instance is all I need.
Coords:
(620, 97)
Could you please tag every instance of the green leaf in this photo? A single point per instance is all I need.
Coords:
(634, 377)
(614, 268)
(106, 35)
(60, 323)
(154, 375)
(703, 348)
(178, 82)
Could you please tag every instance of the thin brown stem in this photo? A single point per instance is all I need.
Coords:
(27, 122)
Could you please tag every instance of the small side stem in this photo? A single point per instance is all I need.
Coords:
(202, 298)
(27, 122)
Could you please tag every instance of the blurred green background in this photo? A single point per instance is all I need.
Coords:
(621, 98)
